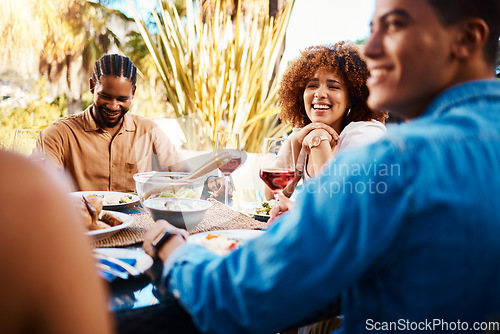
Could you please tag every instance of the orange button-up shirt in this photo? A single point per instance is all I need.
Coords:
(97, 161)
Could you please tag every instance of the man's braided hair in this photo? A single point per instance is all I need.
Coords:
(114, 65)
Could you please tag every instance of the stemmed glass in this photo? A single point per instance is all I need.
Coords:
(29, 142)
(277, 164)
(228, 155)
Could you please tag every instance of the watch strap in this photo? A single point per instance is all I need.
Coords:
(161, 239)
(316, 141)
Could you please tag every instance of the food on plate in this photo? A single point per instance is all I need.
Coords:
(172, 192)
(183, 205)
(96, 201)
(183, 192)
(219, 244)
(90, 210)
(99, 225)
(111, 220)
(175, 205)
(168, 187)
(82, 211)
(265, 207)
(115, 199)
(112, 199)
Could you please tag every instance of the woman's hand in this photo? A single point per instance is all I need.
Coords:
(217, 186)
(314, 133)
(316, 129)
(323, 152)
(283, 204)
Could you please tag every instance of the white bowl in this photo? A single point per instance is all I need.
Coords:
(184, 213)
(167, 185)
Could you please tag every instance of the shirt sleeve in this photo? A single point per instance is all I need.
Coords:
(309, 257)
(53, 143)
(167, 156)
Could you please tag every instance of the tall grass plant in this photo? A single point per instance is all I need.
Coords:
(219, 73)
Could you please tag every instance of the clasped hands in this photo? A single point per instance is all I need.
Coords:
(303, 138)
(305, 135)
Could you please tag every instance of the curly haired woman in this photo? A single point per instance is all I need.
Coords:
(323, 95)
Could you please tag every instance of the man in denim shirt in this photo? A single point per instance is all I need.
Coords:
(406, 230)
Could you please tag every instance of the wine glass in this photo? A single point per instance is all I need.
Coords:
(228, 156)
(29, 142)
(277, 164)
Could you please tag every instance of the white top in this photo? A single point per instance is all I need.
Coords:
(354, 135)
(361, 133)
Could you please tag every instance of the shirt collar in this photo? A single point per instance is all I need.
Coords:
(461, 93)
(89, 124)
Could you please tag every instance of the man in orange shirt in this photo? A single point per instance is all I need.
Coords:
(104, 146)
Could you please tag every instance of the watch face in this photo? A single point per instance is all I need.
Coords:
(315, 141)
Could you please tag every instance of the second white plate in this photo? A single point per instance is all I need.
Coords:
(251, 209)
(110, 195)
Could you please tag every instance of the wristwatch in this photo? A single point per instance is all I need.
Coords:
(161, 239)
(316, 140)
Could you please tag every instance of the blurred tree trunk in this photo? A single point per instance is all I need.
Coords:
(75, 80)
(80, 36)
(275, 6)
(59, 38)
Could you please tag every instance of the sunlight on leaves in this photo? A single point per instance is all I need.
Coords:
(219, 73)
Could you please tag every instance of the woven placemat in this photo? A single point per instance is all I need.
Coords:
(218, 217)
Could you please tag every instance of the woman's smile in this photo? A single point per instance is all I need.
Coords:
(325, 98)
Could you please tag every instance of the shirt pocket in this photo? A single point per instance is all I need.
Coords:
(142, 165)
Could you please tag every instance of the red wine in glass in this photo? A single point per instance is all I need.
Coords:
(277, 179)
(230, 166)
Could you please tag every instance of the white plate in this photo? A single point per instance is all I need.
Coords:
(143, 260)
(250, 208)
(135, 198)
(107, 232)
(239, 235)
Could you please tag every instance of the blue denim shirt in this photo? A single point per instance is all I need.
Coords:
(406, 230)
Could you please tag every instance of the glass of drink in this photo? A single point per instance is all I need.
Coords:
(228, 156)
(29, 142)
(277, 164)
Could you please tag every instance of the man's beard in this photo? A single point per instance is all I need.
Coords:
(104, 122)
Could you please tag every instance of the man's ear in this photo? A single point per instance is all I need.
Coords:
(472, 37)
(133, 90)
(91, 85)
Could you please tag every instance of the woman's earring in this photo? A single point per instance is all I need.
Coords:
(348, 112)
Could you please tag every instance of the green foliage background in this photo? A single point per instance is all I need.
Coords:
(40, 111)
(37, 115)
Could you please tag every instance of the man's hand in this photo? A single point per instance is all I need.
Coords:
(155, 232)
(217, 186)
(283, 205)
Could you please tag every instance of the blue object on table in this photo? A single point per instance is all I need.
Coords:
(131, 210)
(110, 277)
